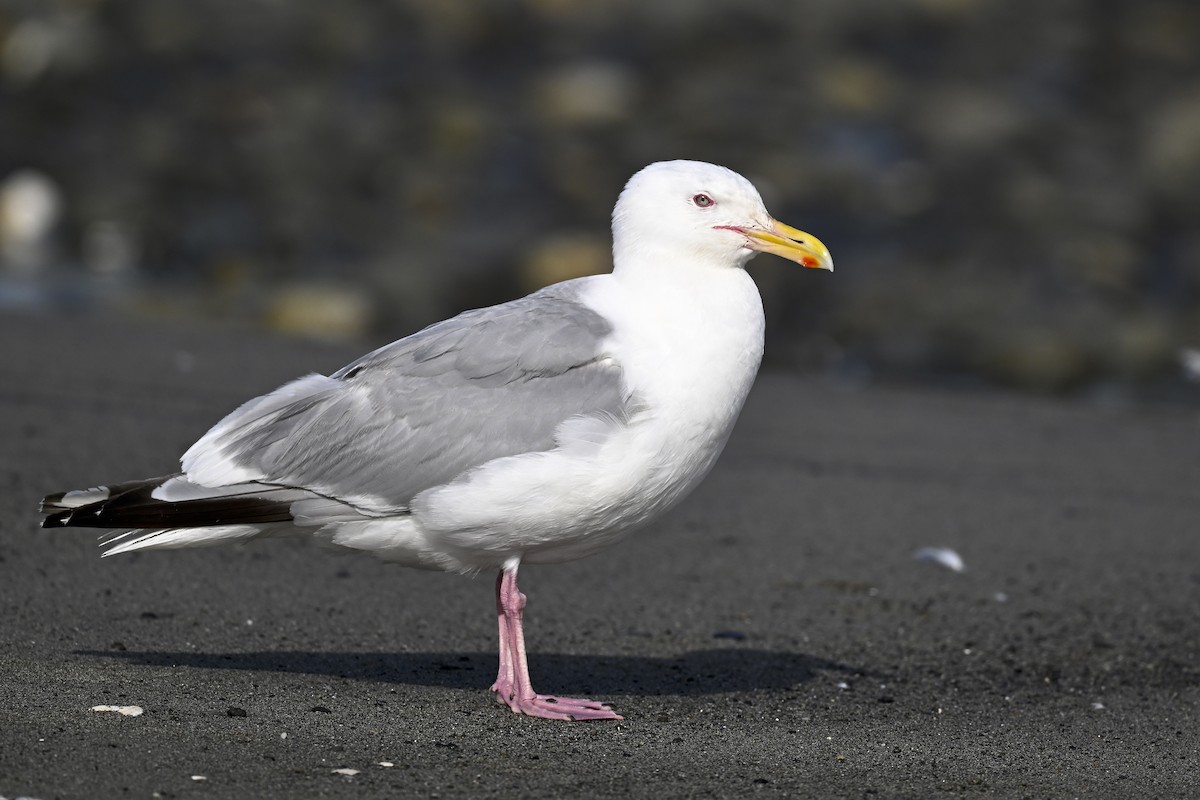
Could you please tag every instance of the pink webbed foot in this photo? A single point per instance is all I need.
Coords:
(512, 686)
(549, 706)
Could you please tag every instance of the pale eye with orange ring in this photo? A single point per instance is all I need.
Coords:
(703, 201)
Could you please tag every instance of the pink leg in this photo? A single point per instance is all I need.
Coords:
(512, 685)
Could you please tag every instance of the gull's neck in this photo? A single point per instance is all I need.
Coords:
(686, 302)
(639, 259)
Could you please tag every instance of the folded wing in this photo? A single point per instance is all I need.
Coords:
(417, 413)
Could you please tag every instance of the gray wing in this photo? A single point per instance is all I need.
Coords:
(488, 383)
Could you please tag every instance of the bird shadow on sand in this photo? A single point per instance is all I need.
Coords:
(699, 672)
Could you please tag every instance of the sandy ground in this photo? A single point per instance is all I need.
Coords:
(773, 636)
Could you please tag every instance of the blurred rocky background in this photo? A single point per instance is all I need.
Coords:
(1010, 189)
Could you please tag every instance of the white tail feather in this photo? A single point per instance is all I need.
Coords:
(178, 538)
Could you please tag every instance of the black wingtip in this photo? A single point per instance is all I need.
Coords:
(133, 505)
(51, 503)
(57, 519)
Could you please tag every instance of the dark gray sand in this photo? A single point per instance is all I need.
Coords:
(772, 636)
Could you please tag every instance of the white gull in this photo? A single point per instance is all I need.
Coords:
(536, 431)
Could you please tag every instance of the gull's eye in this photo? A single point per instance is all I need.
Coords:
(703, 201)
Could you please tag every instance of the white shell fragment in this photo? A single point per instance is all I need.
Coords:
(345, 771)
(942, 556)
(199, 777)
(386, 764)
(125, 711)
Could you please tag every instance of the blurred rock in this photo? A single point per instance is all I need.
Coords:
(459, 129)
(30, 208)
(320, 310)
(1189, 363)
(968, 118)
(1010, 190)
(948, 8)
(110, 248)
(1039, 360)
(587, 94)
(1035, 201)
(1104, 260)
(561, 258)
(1171, 147)
(907, 188)
(28, 50)
(857, 86)
(63, 41)
(1164, 31)
(1141, 346)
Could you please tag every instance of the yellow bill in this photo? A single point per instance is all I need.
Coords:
(794, 245)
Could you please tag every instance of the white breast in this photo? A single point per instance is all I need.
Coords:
(689, 350)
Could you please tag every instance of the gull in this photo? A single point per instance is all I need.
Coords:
(532, 432)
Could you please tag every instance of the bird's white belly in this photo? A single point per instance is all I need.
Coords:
(607, 478)
(574, 500)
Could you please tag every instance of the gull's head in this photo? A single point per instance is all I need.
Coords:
(703, 212)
